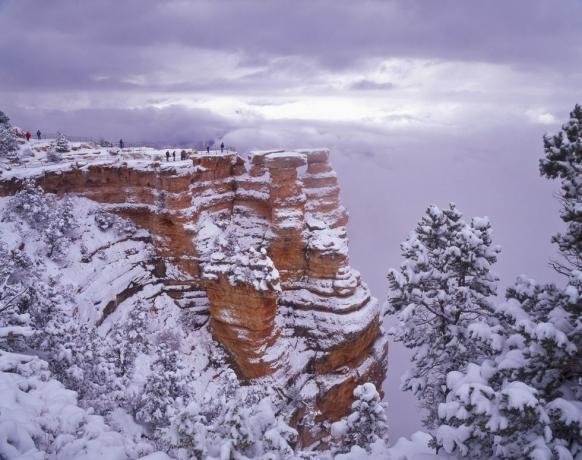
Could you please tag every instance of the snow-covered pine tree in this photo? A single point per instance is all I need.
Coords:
(61, 143)
(15, 321)
(366, 424)
(8, 144)
(4, 120)
(232, 428)
(163, 387)
(130, 337)
(563, 161)
(43, 212)
(444, 283)
(79, 358)
(526, 400)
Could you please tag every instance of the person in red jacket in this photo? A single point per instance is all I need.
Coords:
(28, 136)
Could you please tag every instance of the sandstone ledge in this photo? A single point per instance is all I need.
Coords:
(302, 296)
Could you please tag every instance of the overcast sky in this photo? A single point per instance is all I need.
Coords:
(421, 102)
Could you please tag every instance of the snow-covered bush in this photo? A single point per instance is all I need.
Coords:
(8, 144)
(366, 424)
(103, 143)
(61, 143)
(131, 337)
(52, 218)
(106, 220)
(166, 383)
(80, 358)
(53, 155)
(15, 321)
(444, 283)
(42, 419)
(226, 425)
(4, 120)
(27, 303)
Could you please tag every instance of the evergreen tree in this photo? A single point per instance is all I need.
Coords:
(444, 283)
(15, 293)
(52, 218)
(8, 144)
(564, 161)
(526, 400)
(163, 387)
(130, 338)
(62, 143)
(80, 359)
(367, 422)
(232, 428)
(4, 120)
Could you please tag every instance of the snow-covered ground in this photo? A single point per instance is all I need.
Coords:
(33, 158)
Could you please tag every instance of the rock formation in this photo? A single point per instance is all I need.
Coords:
(262, 243)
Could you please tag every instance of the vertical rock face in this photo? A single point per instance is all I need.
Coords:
(262, 247)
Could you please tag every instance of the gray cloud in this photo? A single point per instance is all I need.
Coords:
(365, 85)
(172, 125)
(67, 43)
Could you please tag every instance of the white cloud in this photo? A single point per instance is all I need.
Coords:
(541, 117)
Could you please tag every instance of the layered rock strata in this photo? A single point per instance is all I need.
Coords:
(261, 246)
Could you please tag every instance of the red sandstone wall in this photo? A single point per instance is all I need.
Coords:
(323, 300)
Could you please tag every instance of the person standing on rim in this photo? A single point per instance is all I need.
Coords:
(38, 134)
(167, 155)
(120, 143)
(222, 147)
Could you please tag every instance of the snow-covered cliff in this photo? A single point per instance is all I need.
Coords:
(252, 249)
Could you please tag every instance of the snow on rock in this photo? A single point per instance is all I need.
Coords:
(257, 245)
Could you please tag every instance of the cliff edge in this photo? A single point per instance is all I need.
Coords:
(261, 245)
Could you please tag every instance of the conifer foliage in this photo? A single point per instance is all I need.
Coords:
(231, 425)
(4, 120)
(8, 143)
(62, 143)
(563, 161)
(525, 400)
(162, 387)
(52, 218)
(444, 283)
(366, 424)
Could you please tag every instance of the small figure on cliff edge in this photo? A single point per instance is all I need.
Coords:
(173, 155)
(27, 135)
(183, 155)
(167, 155)
(207, 149)
(222, 147)
(38, 134)
(120, 143)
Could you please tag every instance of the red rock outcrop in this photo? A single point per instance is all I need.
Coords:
(263, 245)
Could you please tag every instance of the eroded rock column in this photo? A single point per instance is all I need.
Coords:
(243, 297)
(287, 214)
